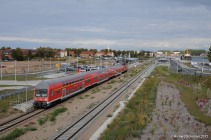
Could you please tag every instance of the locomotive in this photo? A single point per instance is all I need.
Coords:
(49, 92)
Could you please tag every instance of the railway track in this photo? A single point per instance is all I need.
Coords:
(20, 119)
(11, 123)
(72, 131)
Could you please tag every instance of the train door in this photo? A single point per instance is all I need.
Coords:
(63, 92)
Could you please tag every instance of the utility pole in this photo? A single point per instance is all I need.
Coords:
(28, 65)
(15, 72)
(58, 65)
(77, 61)
(26, 86)
(1, 70)
(177, 67)
(50, 63)
(42, 68)
(91, 61)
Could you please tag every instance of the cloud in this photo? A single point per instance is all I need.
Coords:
(35, 40)
(127, 24)
(120, 44)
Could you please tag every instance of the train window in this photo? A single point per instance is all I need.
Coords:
(44, 94)
(51, 93)
(41, 93)
(57, 91)
(37, 94)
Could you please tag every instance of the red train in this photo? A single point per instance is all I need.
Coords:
(52, 91)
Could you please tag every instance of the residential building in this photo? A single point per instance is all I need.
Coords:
(110, 54)
(6, 55)
(99, 54)
(104, 54)
(86, 54)
(71, 53)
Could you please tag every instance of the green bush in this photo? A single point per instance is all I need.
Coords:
(56, 112)
(43, 120)
(52, 116)
(17, 132)
(107, 87)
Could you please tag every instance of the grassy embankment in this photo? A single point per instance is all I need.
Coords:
(131, 122)
(190, 88)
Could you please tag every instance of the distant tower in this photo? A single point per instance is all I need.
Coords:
(108, 46)
(129, 55)
(186, 55)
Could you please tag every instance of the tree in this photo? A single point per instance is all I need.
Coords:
(5, 48)
(196, 52)
(29, 54)
(93, 50)
(45, 52)
(209, 54)
(17, 54)
(40, 52)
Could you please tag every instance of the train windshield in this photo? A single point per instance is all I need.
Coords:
(41, 93)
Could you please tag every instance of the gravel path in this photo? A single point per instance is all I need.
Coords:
(170, 119)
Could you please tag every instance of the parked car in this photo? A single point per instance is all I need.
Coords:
(70, 69)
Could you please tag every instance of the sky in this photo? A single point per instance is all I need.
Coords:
(96, 24)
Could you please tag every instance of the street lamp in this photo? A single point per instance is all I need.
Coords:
(42, 68)
(26, 85)
(50, 62)
(202, 69)
(1, 70)
(77, 62)
(69, 60)
(91, 61)
(101, 62)
(58, 64)
(28, 65)
(15, 72)
(177, 68)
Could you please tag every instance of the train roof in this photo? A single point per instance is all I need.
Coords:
(44, 84)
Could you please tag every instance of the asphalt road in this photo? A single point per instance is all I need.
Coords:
(181, 68)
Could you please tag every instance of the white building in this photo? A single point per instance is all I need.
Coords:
(63, 53)
(159, 54)
(176, 53)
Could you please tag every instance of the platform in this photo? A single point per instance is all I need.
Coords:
(25, 106)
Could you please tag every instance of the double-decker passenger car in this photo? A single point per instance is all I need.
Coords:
(49, 92)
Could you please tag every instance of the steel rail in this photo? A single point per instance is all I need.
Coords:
(13, 122)
(72, 130)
